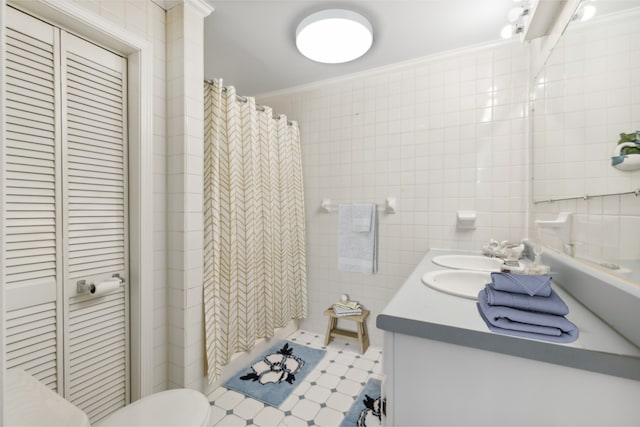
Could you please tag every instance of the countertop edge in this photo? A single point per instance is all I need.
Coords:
(594, 361)
(611, 298)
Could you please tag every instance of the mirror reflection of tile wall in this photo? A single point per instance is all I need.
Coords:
(588, 93)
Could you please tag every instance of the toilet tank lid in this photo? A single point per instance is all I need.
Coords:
(178, 407)
(29, 402)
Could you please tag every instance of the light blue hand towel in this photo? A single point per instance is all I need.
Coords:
(522, 283)
(511, 321)
(361, 216)
(552, 304)
(357, 251)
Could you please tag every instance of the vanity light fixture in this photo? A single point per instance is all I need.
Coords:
(334, 36)
(518, 17)
(585, 12)
(532, 19)
(510, 30)
(516, 13)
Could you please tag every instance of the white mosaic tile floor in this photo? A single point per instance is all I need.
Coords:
(322, 399)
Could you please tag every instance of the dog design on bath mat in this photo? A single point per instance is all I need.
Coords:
(276, 368)
(371, 415)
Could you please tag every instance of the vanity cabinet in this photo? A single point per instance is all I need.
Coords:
(443, 366)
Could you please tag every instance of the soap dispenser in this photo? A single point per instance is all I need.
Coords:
(538, 267)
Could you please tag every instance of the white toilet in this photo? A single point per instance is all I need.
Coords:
(29, 402)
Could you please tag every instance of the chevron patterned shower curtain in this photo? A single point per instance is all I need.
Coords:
(254, 231)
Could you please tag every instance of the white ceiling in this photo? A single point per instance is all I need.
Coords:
(251, 44)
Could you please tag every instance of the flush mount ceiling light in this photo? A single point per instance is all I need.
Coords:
(334, 36)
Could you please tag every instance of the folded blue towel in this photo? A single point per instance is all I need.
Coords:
(522, 283)
(552, 304)
(528, 324)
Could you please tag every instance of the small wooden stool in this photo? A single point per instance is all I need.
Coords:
(361, 335)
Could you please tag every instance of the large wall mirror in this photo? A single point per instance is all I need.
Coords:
(585, 96)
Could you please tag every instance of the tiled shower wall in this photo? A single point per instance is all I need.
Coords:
(147, 19)
(588, 93)
(440, 134)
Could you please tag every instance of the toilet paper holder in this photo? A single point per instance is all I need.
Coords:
(82, 286)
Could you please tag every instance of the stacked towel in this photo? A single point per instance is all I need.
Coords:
(349, 308)
(522, 284)
(525, 306)
(552, 304)
(358, 238)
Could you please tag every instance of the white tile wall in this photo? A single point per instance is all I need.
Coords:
(185, 75)
(147, 19)
(175, 197)
(160, 199)
(441, 134)
(588, 96)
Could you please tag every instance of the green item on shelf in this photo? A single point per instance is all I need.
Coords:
(629, 137)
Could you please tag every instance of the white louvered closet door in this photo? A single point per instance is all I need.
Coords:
(33, 278)
(66, 213)
(94, 156)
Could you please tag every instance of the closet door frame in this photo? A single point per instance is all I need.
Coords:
(139, 54)
(2, 207)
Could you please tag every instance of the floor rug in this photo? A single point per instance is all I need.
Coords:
(368, 407)
(272, 376)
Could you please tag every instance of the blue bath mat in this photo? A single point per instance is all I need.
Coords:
(272, 376)
(368, 408)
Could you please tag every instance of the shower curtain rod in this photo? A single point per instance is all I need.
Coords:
(245, 99)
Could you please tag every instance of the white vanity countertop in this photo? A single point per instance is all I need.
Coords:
(421, 311)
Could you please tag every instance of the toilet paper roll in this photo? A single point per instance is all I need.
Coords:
(344, 298)
(104, 288)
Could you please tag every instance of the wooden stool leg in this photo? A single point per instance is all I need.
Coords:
(363, 337)
(365, 334)
(330, 327)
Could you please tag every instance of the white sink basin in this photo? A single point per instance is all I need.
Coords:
(461, 283)
(469, 262)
